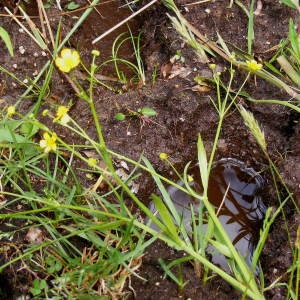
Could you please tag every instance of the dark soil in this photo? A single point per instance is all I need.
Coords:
(182, 115)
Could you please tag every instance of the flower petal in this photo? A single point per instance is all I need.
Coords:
(68, 60)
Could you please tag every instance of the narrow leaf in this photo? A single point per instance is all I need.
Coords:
(202, 158)
(251, 27)
(7, 41)
(165, 216)
(222, 248)
(290, 3)
(294, 38)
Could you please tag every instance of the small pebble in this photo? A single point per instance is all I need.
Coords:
(22, 49)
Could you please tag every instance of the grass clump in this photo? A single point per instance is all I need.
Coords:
(137, 68)
(39, 175)
(109, 227)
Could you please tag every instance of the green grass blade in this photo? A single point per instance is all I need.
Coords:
(167, 269)
(7, 41)
(169, 203)
(289, 70)
(251, 28)
(166, 217)
(78, 23)
(202, 158)
(290, 3)
(294, 39)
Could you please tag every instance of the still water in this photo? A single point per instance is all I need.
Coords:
(234, 191)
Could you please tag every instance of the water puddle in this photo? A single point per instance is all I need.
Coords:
(234, 191)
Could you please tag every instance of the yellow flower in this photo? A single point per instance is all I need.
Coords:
(68, 60)
(253, 65)
(163, 156)
(45, 112)
(48, 143)
(92, 162)
(95, 52)
(190, 178)
(62, 115)
(212, 66)
(11, 110)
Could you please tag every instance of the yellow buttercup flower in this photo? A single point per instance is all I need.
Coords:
(212, 66)
(92, 162)
(253, 65)
(48, 143)
(190, 178)
(62, 115)
(163, 156)
(68, 60)
(11, 110)
(45, 112)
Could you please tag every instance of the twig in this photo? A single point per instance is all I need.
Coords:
(44, 17)
(197, 2)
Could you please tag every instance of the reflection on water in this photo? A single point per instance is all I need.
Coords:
(242, 211)
(233, 190)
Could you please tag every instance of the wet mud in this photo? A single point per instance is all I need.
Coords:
(182, 114)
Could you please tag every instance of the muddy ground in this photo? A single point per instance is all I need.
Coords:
(182, 114)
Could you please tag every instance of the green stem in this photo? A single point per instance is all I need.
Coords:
(106, 157)
(274, 101)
